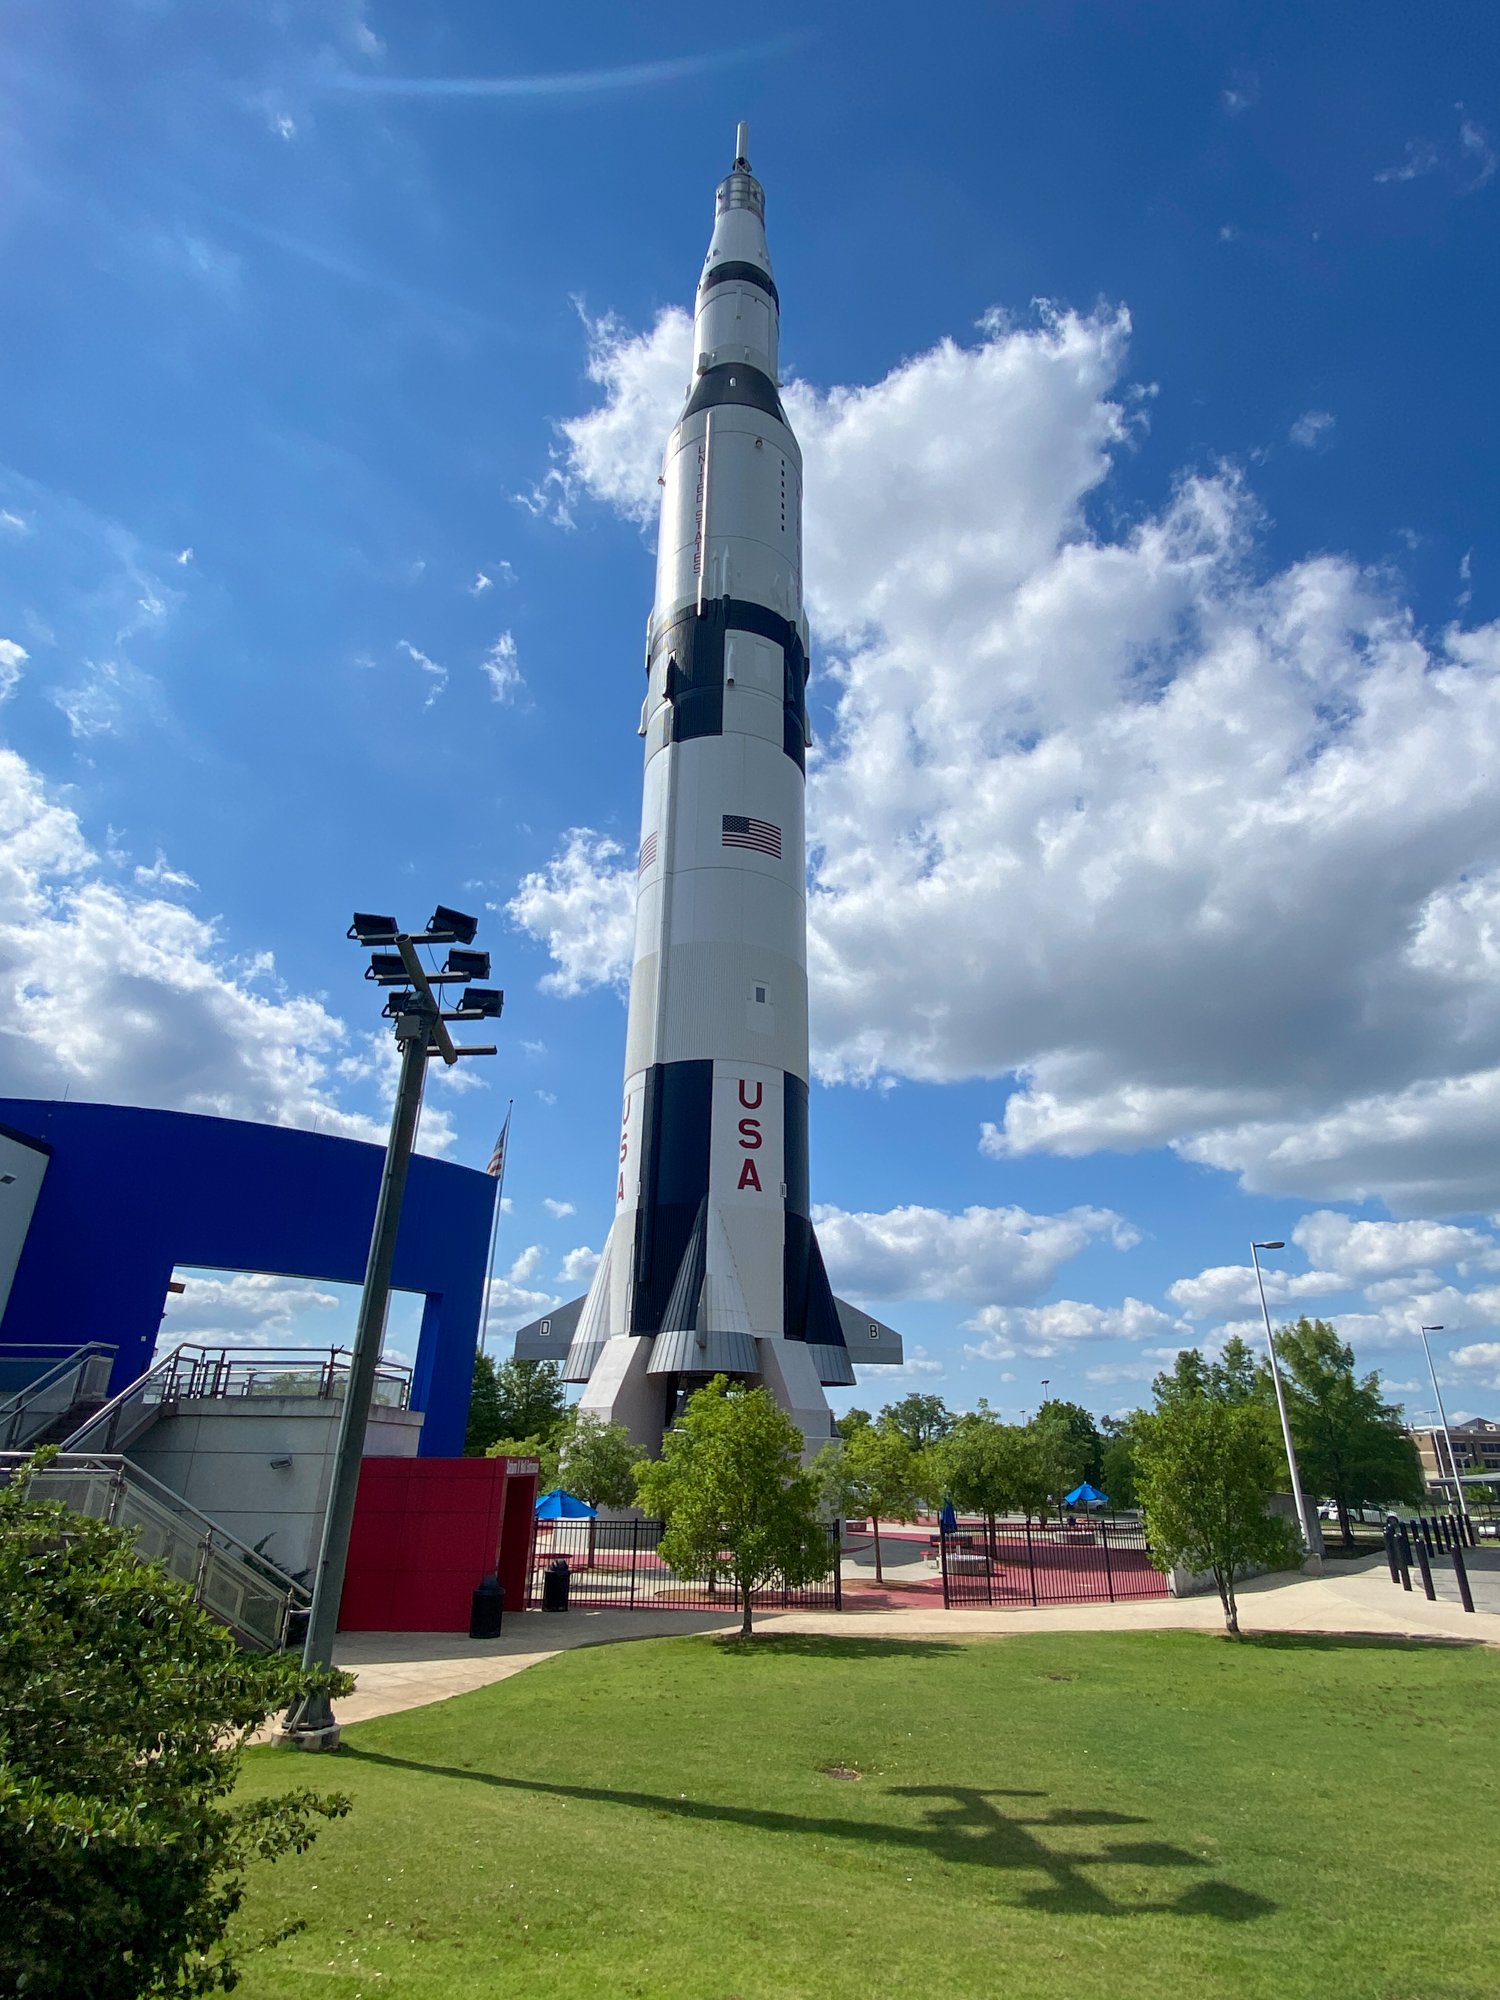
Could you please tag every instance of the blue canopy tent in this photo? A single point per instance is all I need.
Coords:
(1086, 1496)
(560, 1506)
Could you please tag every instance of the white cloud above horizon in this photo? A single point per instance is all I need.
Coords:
(1041, 744)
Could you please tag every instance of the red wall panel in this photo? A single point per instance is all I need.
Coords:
(426, 1531)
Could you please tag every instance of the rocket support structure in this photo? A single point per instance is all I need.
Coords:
(712, 1262)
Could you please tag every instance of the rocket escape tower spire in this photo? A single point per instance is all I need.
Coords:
(712, 1264)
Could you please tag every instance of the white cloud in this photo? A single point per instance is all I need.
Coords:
(500, 668)
(1420, 157)
(183, 557)
(578, 1266)
(128, 997)
(1363, 1251)
(249, 1309)
(481, 584)
(1137, 776)
(1223, 1287)
(1036, 1330)
(558, 1208)
(12, 523)
(918, 1369)
(437, 676)
(162, 875)
(1311, 428)
(12, 658)
(1474, 143)
(583, 904)
(979, 1254)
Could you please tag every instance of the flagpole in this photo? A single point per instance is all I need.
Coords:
(503, 1148)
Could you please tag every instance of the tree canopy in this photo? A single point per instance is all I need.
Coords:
(1350, 1442)
(123, 1712)
(873, 1471)
(513, 1400)
(597, 1460)
(921, 1420)
(1205, 1469)
(732, 1490)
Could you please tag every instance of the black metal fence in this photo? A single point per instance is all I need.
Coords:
(618, 1566)
(1425, 1540)
(1024, 1563)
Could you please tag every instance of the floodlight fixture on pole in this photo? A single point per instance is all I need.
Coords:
(1463, 1505)
(1286, 1427)
(421, 1025)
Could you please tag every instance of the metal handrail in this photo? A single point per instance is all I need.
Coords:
(233, 1581)
(75, 1361)
(104, 1419)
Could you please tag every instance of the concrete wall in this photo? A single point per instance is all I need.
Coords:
(217, 1456)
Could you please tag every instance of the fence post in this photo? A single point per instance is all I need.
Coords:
(1426, 1568)
(1461, 1577)
(635, 1556)
(837, 1534)
(1403, 1550)
(1030, 1561)
(1109, 1575)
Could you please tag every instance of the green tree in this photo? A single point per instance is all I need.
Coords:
(1080, 1426)
(513, 1399)
(978, 1465)
(875, 1473)
(1117, 1460)
(735, 1497)
(546, 1452)
(921, 1420)
(124, 1709)
(852, 1421)
(1187, 1377)
(1237, 1377)
(1205, 1470)
(1052, 1461)
(1350, 1442)
(597, 1460)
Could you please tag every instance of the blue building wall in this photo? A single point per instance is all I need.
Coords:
(131, 1194)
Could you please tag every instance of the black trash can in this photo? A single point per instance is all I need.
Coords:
(487, 1609)
(556, 1580)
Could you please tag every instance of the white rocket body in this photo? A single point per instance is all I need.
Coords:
(711, 1263)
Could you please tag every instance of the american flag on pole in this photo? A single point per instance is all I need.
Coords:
(496, 1167)
(757, 834)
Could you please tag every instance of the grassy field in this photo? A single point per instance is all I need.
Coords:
(1160, 1814)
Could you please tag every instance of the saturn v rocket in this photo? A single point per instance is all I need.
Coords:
(712, 1263)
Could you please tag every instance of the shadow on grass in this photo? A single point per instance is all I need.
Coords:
(825, 1646)
(1343, 1642)
(962, 1825)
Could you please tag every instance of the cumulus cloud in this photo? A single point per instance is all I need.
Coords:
(513, 1299)
(127, 996)
(251, 1309)
(12, 658)
(979, 1254)
(558, 1208)
(583, 904)
(1224, 1287)
(1038, 1330)
(578, 1266)
(1360, 1252)
(1106, 809)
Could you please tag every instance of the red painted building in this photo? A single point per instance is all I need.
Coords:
(427, 1531)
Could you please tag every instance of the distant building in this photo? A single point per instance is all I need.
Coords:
(1476, 1445)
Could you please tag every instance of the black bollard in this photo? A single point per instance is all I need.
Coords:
(1426, 1568)
(1469, 1530)
(1390, 1547)
(1403, 1550)
(1441, 1524)
(1425, 1528)
(1461, 1577)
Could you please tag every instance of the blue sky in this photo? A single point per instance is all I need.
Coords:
(1143, 361)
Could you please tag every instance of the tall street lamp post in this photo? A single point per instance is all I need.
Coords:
(1463, 1505)
(421, 1025)
(1286, 1428)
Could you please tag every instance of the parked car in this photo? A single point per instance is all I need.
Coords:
(1369, 1516)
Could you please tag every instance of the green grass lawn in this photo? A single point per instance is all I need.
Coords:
(1160, 1814)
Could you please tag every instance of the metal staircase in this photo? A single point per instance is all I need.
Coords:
(235, 1584)
(62, 1397)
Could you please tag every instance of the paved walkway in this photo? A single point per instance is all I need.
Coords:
(400, 1670)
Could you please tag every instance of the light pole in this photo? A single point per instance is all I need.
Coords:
(1286, 1428)
(1463, 1505)
(421, 1025)
(1046, 1384)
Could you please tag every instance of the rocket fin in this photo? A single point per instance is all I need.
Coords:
(870, 1338)
(593, 1322)
(691, 1340)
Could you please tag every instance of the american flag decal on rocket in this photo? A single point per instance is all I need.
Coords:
(755, 833)
(648, 854)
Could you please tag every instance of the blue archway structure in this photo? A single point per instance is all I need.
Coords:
(129, 1194)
